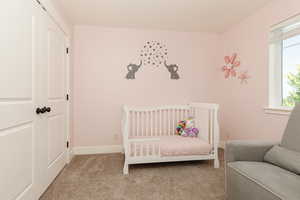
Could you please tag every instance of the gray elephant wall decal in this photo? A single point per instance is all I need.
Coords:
(173, 69)
(132, 69)
(153, 54)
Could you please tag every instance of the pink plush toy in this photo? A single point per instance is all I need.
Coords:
(190, 132)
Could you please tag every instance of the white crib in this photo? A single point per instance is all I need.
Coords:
(143, 128)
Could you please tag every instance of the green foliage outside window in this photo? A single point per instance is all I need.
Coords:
(294, 96)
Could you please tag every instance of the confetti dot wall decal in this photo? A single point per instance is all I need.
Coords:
(153, 54)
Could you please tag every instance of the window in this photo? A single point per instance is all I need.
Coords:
(285, 64)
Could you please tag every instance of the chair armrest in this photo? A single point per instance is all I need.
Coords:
(247, 150)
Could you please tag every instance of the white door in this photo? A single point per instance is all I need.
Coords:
(17, 101)
(32, 75)
(51, 61)
(56, 101)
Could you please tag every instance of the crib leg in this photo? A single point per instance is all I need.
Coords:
(126, 169)
(216, 163)
(216, 160)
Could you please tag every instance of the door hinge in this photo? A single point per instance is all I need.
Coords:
(67, 144)
(67, 50)
(67, 97)
(42, 6)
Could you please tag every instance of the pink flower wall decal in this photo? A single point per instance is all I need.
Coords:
(231, 63)
(244, 76)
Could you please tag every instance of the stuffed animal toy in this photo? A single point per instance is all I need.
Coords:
(190, 132)
(180, 127)
(186, 128)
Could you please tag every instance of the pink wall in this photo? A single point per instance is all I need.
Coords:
(242, 114)
(100, 88)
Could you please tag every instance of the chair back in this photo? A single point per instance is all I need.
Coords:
(291, 137)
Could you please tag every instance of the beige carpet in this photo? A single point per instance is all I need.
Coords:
(99, 177)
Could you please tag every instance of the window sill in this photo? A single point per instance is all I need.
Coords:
(278, 110)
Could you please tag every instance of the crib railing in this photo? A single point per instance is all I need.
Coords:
(154, 122)
(146, 148)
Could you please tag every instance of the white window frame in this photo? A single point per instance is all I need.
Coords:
(278, 33)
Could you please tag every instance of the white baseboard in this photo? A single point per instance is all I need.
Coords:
(70, 155)
(108, 149)
(97, 149)
(222, 144)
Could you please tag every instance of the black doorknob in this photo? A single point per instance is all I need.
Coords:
(43, 110)
(38, 111)
(48, 109)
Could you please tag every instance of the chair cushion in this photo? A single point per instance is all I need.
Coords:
(284, 158)
(278, 181)
(291, 137)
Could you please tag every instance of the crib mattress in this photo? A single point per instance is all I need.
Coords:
(183, 146)
(177, 146)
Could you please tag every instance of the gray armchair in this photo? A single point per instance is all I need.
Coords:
(265, 170)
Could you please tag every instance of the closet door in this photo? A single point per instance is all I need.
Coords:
(17, 101)
(51, 91)
(56, 100)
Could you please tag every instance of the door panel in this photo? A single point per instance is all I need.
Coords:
(15, 112)
(16, 161)
(16, 50)
(56, 138)
(17, 100)
(56, 87)
(56, 67)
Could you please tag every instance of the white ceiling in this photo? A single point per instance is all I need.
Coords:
(179, 15)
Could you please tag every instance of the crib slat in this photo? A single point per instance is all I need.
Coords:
(164, 122)
(151, 124)
(177, 116)
(145, 124)
(148, 123)
(142, 123)
(157, 123)
(211, 126)
(154, 123)
(169, 131)
(130, 124)
(180, 114)
(173, 123)
(160, 120)
(137, 123)
(133, 124)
